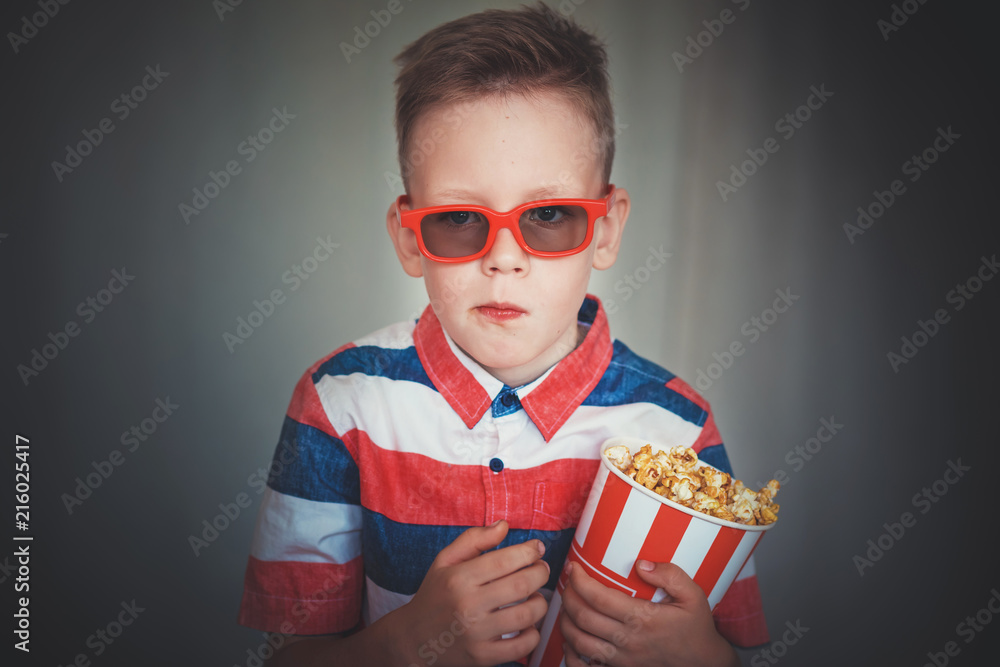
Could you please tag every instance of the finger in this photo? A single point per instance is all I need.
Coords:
(471, 544)
(672, 579)
(499, 563)
(586, 644)
(515, 648)
(587, 618)
(572, 658)
(520, 616)
(514, 587)
(612, 603)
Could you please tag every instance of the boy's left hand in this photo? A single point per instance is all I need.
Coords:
(612, 628)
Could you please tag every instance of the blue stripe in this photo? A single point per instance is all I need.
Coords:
(716, 456)
(311, 464)
(376, 361)
(398, 555)
(632, 379)
(588, 312)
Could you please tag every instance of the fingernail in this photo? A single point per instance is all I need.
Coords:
(541, 548)
(644, 565)
(495, 523)
(569, 568)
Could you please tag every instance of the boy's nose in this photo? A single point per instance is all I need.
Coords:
(506, 255)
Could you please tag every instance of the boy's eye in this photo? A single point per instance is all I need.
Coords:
(546, 214)
(459, 217)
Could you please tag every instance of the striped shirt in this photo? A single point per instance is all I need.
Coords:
(396, 443)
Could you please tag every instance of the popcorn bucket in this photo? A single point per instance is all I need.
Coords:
(623, 521)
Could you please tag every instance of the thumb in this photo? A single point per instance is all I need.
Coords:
(471, 544)
(680, 588)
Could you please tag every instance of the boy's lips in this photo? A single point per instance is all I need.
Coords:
(500, 311)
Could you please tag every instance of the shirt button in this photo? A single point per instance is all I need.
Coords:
(496, 465)
(508, 399)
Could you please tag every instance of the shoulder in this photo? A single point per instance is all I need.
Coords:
(388, 353)
(631, 378)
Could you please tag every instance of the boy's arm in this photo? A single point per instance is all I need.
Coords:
(472, 596)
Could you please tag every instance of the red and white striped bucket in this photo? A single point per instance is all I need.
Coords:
(623, 521)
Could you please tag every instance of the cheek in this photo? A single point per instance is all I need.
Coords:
(446, 285)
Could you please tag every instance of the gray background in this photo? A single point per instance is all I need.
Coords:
(325, 174)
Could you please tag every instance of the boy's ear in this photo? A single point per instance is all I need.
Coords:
(405, 242)
(608, 231)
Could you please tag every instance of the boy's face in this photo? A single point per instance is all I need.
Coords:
(512, 312)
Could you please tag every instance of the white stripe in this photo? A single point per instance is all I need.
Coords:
(292, 528)
(545, 632)
(388, 410)
(583, 527)
(594, 573)
(694, 545)
(748, 570)
(398, 336)
(745, 546)
(379, 601)
(630, 532)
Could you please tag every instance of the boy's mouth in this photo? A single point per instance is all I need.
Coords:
(500, 311)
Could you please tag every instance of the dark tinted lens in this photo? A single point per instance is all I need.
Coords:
(454, 233)
(554, 228)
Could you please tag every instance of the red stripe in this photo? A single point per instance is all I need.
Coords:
(301, 598)
(717, 557)
(661, 543)
(305, 406)
(688, 392)
(417, 489)
(606, 517)
(595, 572)
(739, 616)
(554, 649)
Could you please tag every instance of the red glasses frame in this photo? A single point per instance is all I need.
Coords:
(596, 208)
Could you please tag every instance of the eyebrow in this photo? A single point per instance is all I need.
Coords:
(466, 196)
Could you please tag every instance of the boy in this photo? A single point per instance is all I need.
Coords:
(434, 471)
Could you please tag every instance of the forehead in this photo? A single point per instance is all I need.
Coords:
(503, 151)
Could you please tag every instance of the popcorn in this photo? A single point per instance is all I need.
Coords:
(676, 475)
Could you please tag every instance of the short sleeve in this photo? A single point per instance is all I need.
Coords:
(304, 574)
(739, 616)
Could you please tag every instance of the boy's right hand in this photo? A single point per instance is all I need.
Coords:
(460, 610)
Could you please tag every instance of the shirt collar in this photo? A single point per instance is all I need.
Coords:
(548, 400)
